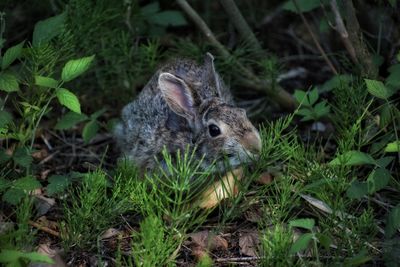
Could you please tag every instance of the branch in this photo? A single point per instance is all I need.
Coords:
(283, 98)
(316, 42)
(341, 29)
(240, 23)
(355, 36)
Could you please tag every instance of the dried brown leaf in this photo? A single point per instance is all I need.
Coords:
(249, 242)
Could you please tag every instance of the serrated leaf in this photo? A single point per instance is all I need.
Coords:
(304, 5)
(22, 157)
(68, 99)
(378, 89)
(300, 97)
(306, 223)
(90, 130)
(4, 183)
(357, 190)
(13, 196)
(5, 118)
(168, 18)
(57, 184)
(313, 96)
(301, 243)
(47, 29)
(393, 221)
(336, 82)
(8, 82)
(75, 67)
(378, 179)
(27, 183)
(150, 9)
(322, 109)
(353, 158)
(69, 120)
(46, 81)
(393, 147)
(11, 55)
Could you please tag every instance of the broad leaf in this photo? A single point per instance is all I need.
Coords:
(353, 158)
(47, 29)
(97, 114)
(75, 67)
(13, 257)
(46, 81)
(336, 81)
(357, 190)
(378, 89)
(150, 9)
(69, 120)
(378, 179)
(11, 55)
(8, 82)
(27, 183)
(68, 99)
(393, 221)
(13, 196)
(301, 243)
(57, 184)
(22, 157)
(90, 130)
(168, 18)
(393, 147)
(303, 223)
(5, 118)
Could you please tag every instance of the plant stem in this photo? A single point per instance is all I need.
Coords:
(240, 23)
(283, 98)
(314, 38)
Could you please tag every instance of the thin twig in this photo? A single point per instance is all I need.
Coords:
(278, 94)
(341, 29)
(44, 228)
(316, 42)
(240, 23)
(355, 36)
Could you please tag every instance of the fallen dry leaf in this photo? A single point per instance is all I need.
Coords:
(111, 232)
(265, 178)
(51, 253)
(249, 242)
(40, 154)
(208, 241)
(43, 204)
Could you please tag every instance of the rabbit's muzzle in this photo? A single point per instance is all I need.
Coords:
(252, 142)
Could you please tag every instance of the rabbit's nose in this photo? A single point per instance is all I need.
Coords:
(252, 142)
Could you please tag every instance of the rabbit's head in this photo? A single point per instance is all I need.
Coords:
(220, 131)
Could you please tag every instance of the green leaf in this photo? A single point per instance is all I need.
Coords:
(150, 9)
(336, 81)
(322, 109)
(393, 221)
(378, 89)
(324, 239)
(8, 82)
(12, 257)
(38, 257)
(303, 223)
(313, 96)
(357, 190)
(301, 243)
(11, 55)
(301, 98)
(68, 99)
(90, 130)
(168, 18)
(378, 179)
(75, 67)
(27, 183)
(13, 196)
(47, 29)
(5, 118)
(97, 114)
(4, 157)
(384, 162)
(69, 120)
(57, 184)
(353, 158)
(22, 157)
(304, 5)
(4, 183)
(393, 147)
(358, 260)
(46, 81)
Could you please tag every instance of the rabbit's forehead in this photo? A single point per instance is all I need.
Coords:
(229, 118)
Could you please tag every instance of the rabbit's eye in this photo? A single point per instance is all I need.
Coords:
(214, 130)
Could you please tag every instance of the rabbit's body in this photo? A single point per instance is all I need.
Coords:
(177, 109)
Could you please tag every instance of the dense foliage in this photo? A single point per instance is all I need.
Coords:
(321, 80)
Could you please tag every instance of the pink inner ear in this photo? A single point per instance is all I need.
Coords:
(178, 95)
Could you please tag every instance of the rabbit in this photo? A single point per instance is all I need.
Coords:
(186, 105)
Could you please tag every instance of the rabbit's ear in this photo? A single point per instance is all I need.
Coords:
(211, 73)
(177, 95)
